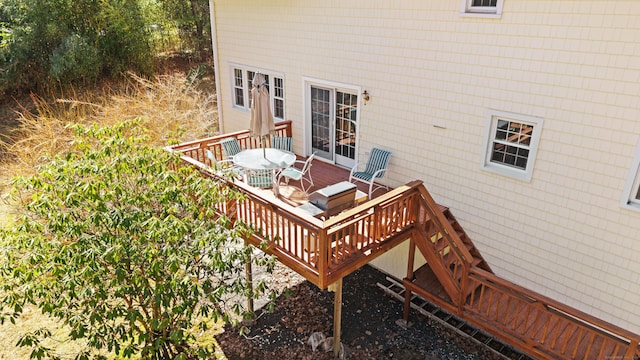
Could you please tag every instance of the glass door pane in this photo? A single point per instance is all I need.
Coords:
(321, 122)
(345, 134)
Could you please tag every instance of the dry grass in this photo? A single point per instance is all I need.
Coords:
(172, 107)
(32, 320)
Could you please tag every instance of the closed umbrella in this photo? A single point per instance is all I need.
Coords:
(262, 124)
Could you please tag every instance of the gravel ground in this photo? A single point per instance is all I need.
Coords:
(371, 326)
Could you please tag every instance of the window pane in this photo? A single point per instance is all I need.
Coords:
(250, 75)
(238, 77)
(484, 3)
(278, 108)
(521, 162)
(501, 131)
(320, 119)
(514, 132)
(346, 110)
(266, 82)
(510, 155)
(238, 86)
(509, 159)
(239, 97)
(278, 97)
(523, 152)
(278, 90)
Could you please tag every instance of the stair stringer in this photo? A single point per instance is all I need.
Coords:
(443, 273)
(444, 250)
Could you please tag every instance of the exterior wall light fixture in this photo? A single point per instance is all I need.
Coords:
(365, 96)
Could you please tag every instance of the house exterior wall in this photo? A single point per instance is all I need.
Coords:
(433, 75)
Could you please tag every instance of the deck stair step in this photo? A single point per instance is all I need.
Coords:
(478, 259)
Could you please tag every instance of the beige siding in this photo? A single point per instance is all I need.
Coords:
(575, 64)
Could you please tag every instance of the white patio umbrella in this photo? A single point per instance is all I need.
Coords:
(262, 124)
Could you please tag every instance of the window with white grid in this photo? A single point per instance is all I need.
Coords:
(238, 88)
(490, 8)
(242, 78)
(511, 143)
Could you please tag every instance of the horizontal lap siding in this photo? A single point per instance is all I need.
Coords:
(572, 63)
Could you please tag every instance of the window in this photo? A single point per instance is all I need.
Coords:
(631, 194)
(238, 88)
(489, 8)
(242, 77)
(511, 143)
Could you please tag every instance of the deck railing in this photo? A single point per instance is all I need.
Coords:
(195, 150)
(543, 326)
(325, 251)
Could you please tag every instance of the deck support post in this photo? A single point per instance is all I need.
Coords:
(410, 276)
(249, 276)
(337, 316)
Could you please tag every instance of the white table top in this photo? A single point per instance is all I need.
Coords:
(264, 159)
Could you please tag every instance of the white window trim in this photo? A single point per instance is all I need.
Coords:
(519, 174)
(628, 200)
(247, 87)
(481, 11)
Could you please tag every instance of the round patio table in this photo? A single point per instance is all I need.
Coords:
(265, 159)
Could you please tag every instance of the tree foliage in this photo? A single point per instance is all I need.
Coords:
(125, 251)
(68, 41)
(191, 18)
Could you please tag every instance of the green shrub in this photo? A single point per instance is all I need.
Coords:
(75, 59)
(42, 31)
(127, 252)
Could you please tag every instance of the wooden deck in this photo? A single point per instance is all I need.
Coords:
(456, 276)
(323, 174)
(321, 250)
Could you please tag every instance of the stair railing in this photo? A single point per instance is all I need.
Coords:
(458, 269)
(542, 326)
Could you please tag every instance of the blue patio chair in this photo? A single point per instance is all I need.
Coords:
(230, 147)
(260, 178)
(300, 174)
(282, 143)
(375, 169)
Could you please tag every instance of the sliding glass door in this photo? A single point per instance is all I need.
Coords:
(333, 117)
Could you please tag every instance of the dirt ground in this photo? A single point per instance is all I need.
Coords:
(370, 326)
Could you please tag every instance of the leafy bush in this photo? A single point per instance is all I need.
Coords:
(191, 19)
(123, 39)
(127, 252)
(75, 59)
(41, 30)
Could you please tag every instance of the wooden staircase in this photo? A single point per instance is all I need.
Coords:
(478, 260)
(458, 279)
